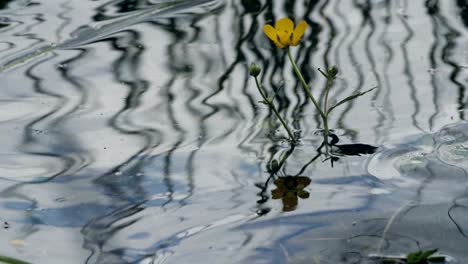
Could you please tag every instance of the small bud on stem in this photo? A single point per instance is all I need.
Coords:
(332, 72)
(254, 70)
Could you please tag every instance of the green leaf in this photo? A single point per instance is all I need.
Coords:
(437, 259)
(324, 74)
(414, 257)
(9, 260)
(427, 254)
(349, 98)
(420, 257)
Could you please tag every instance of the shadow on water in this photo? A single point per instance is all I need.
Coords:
(143, 140)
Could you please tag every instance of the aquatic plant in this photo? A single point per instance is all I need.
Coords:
(285, 34)
(268, 100)
(418, 257)
(289, 188)
(8, 260)
(421, 256)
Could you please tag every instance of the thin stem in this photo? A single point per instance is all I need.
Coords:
(325, 110)
(304, 84)
(272, 106)
(325, 103)
(325, 128)
(309, 93)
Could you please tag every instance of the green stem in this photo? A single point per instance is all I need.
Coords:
(325, 104)
(304, 84)
(272, 106)
(325, 127)
(325, 110)
(309, 93)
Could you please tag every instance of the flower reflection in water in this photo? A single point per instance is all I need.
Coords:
(288, 189)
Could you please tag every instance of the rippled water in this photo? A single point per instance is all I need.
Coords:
(131, 132)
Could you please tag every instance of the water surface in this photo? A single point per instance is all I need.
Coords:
(131, 131)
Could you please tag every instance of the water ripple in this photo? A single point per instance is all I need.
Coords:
(131, 131)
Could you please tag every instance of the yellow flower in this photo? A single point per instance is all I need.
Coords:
(284, 34)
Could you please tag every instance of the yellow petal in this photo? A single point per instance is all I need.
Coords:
(298, 32)
(280, 45)
(284, 38)
(271, 34)
(285, 24)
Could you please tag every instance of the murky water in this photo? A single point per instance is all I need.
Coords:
(131, 132)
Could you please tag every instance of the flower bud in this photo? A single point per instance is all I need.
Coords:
(332, 72)
(254, 70)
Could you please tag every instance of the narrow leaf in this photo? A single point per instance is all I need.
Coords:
(427, 254)
(349, 98)
(324, 74)
(9, 260)
(437, 259)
